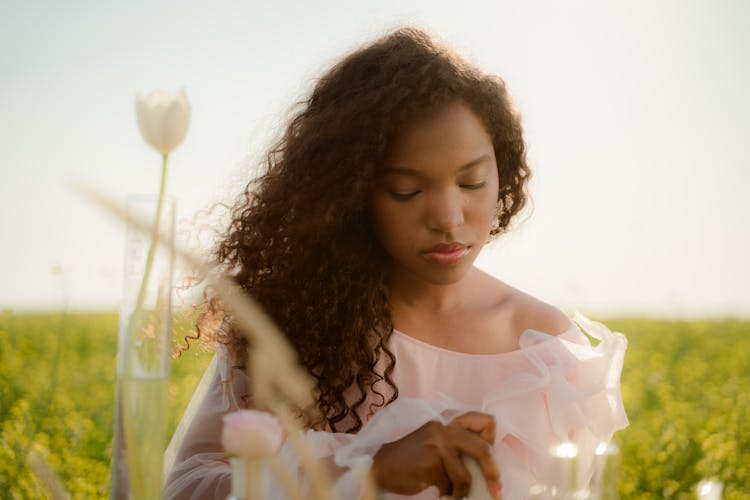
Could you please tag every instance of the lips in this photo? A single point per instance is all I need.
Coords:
(447, 253)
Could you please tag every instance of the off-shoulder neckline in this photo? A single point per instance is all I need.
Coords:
(488, 356)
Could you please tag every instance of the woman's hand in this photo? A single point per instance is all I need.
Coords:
(431, 455)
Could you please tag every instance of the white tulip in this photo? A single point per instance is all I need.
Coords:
(163, 118)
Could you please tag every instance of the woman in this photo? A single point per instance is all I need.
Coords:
(359, 240)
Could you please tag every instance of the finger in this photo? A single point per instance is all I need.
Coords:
(471, 444)
(458, 474)
(479, 423)
(496, 489)
(480, 488)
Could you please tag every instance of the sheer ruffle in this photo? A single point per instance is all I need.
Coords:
(559, 388)
(572, 394)
(195, 464)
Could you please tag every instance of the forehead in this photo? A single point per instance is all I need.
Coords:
(446, 138)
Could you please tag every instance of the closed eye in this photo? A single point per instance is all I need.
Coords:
(403, 196)
(478, 185)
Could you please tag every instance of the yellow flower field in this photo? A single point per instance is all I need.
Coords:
(685, 386)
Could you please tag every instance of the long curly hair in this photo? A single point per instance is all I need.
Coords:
(300, 240)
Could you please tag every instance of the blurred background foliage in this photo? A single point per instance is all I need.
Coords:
(57, 376)
(685, 386)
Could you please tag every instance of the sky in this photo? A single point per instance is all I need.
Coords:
(636, 117)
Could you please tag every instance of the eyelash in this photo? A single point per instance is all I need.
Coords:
(409, 196)
(404, 196)
(474, 186)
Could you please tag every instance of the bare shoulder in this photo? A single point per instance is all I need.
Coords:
(525, 311)
(501, 313)
(531, 313)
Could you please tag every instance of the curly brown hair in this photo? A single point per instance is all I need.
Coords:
(300, 240)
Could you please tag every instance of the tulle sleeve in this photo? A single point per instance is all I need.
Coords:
(195, 464)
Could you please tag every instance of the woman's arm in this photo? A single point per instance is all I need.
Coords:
(431, 455)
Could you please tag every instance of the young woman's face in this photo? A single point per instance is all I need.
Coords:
(435, 199)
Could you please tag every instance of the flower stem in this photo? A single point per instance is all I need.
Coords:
(151, 247)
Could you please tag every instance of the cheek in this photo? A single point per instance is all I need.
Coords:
(493, 195)
(387, 222)
(489, 197)
(486, 207)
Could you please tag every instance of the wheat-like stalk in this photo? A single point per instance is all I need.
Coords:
(277, 378)
(47, 475)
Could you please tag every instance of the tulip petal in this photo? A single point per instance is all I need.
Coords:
(163, 119)
(175, 125)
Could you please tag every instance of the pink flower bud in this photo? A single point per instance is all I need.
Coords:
(251, 434)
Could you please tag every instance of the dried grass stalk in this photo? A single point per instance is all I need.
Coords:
(47, 476)
(277, 379)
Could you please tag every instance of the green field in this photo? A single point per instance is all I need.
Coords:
(685, 386)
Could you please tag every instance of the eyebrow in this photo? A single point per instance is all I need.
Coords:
(413, 172)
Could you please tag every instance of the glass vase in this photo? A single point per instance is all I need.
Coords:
(579, 473)
(250, 478)
(144, 343)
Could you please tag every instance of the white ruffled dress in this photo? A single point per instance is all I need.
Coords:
(551, 390)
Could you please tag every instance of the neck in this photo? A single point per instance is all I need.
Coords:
(408, 290)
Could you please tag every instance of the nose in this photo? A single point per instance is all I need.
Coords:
(445, 211)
